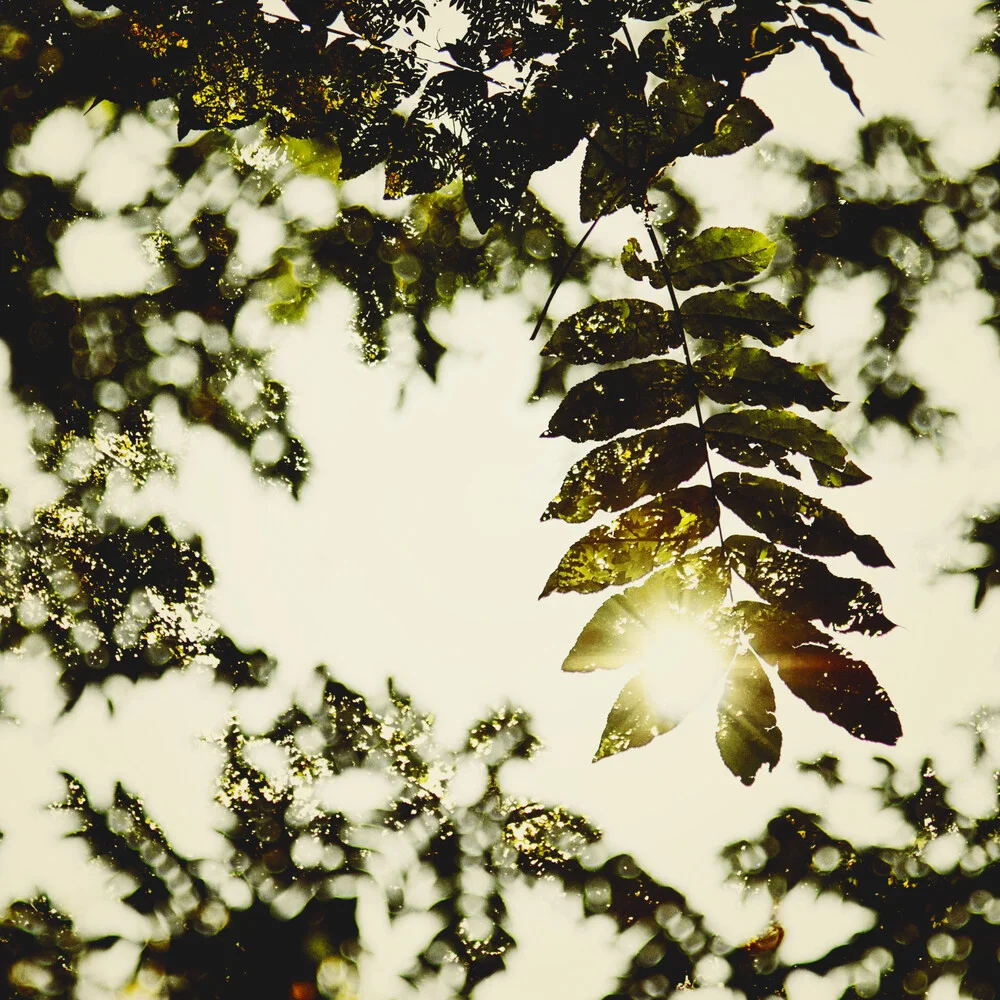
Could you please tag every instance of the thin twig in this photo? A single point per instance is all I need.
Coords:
(562, 277)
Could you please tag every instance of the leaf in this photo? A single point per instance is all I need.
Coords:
(747, 732)
(805, 587)
(719, 255)
(632, 722)
(751, 375)
(727, 315)
(636, 542)
(623, 399)
(638, 268)
(614, 330)
(617, 474)
(827, 24)
(760, 437)
(788, 516)
(839, 76)
(680, 105)
(862, 22)
(614, 172)
(815, 669)
(741, 126)
(849, 475)
(692, 587)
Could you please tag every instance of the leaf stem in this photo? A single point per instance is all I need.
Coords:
(562, 277)
(697, 398)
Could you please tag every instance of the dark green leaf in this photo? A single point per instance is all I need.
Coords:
(759, 437)
(692, 588)
(862, 22)
(614, 172)
(839, 76)
(824, 676)
(747, 733)
(849, 475)
(742, 126)
(719, 256)
(623, 399)
(827, 24)
(637, 268)
(751, 375)
(727, 315)
(788, 516)
(615, 330)
(806, 587)
(680, 105)
(617, 474)
(636, 542)
(632, 722)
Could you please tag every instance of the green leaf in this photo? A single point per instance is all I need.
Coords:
(849, 475)
(614, 172)
(727, 315)
(692, 588)
(615, 330)
(637, 268)
(680, 105)
(806, 588)
(747, 732)
(636, 542)
(760, 437)
(632, 722)
(788, 516)
(641, 395)
(815, 669)
(741, 126)
(619, 473)
(751, 375)
(719, 256)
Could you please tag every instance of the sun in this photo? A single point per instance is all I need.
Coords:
(681, 666)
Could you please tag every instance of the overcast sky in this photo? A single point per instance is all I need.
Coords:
(416, 551)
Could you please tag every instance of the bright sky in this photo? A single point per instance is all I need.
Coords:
(416, 551)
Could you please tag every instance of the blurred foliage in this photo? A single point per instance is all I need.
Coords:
(896, 214)
(439, 843)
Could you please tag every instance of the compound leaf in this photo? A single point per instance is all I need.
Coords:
(632, 722)
(788, 516)
(747, 732)
(614, 330)
(619, 473)
(751, 375)
(726, 315)
(805, 587)
(691, 587)
(641, 395)
(636, 542)
(719, 255)
(815, 669)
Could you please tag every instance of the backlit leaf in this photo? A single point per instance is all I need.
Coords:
(629, 398)
(751, 375)
(636, 542)
(747, 732)
(726, 315)
(741, 126)
(614, 330)
(632, 722)
(691, 588)
(824, 676)
(637, 268)
(849, 475)
(760, 437)
(788, 516)
(719, 256)
(806, 588)
(619, 473)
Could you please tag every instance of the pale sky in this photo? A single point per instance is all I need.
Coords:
(416, 549)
